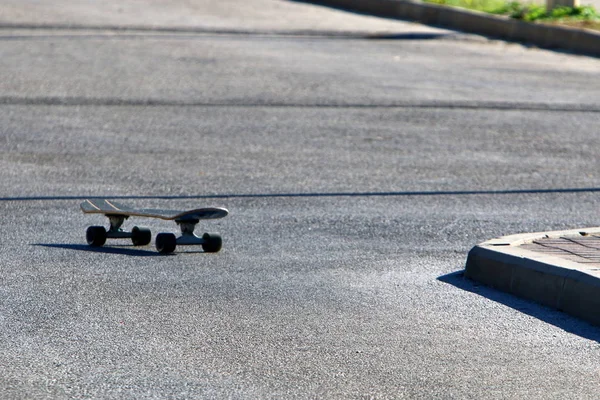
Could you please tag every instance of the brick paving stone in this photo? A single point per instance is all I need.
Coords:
(581, 249)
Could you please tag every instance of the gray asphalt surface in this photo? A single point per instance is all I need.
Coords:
(358, 173)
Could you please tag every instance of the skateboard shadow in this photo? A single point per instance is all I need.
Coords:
(549, 315)
(121, 250)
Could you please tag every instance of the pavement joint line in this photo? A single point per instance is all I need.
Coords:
(494, 242)
(550, 278)
(457, 105)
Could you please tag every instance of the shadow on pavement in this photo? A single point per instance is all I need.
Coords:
(554, 317)
(105, 249)
(113, 32)
(407, 36)
(291, 34)
(314, 194)
(348, 9)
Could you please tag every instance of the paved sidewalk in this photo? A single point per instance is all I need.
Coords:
(558, 269)
(583, 249)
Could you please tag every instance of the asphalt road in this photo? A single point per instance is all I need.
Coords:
(360, 160)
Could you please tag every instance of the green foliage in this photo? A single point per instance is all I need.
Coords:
(580, 12)
(529, 12)
(525, 11)
(489, 6)
(534, 12)
(561, 12)
(508, 8)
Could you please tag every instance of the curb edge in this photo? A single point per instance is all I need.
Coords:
(582, 41)
(552, 281)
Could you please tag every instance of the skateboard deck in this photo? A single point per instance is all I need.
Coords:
(106, 207)
(165, 242)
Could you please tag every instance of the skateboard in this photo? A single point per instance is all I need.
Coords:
(140, 236)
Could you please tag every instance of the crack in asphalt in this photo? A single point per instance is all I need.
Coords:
(425, 104)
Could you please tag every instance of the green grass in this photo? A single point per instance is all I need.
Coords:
(581, 16)
(488, 6)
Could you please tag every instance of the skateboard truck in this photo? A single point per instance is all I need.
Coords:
(115, 231)
(188, 237)
(167, 242)
(96, 235)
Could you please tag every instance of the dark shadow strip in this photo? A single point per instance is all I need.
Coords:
(120, 250)
(132, 31)
(434, 104)
(322, 194)
(191, 36)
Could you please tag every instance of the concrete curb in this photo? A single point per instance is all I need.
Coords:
(581, 41)
(552, 281)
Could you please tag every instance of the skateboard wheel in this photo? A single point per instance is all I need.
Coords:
(166, 243)
(141, 236)
(96, 236)
(212, 242)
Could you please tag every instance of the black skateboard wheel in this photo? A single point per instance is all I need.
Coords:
(96, 236)
(141, 236)
(166, 243)
(212, 242)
